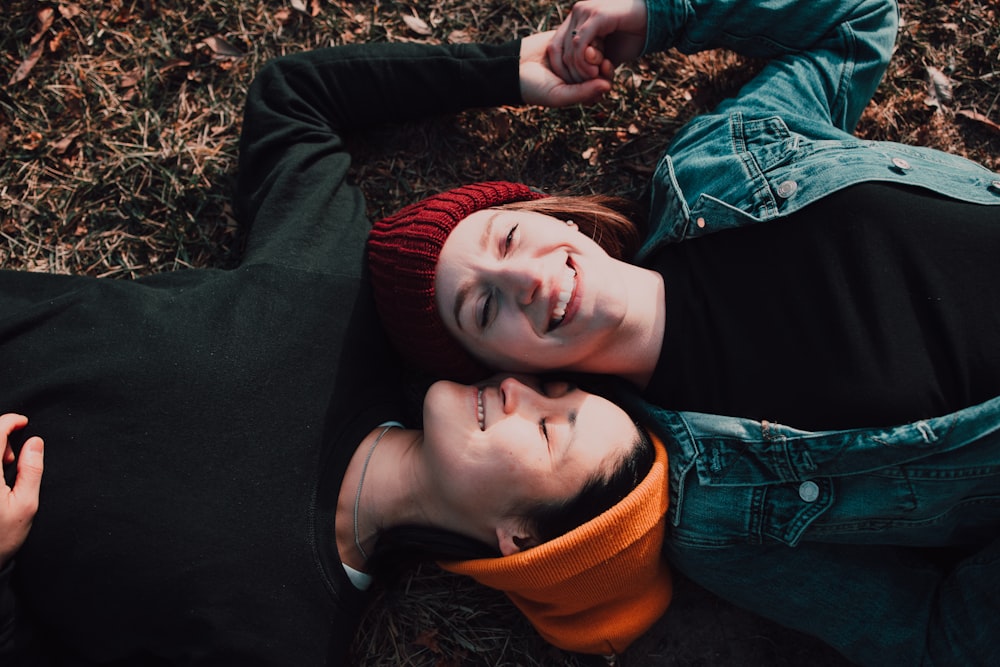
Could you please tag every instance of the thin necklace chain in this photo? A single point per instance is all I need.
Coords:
(357, 496)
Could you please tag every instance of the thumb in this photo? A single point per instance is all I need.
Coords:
(586, 92)
(30, 464)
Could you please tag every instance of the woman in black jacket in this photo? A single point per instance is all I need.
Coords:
(221, 460)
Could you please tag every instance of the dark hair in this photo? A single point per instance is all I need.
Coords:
(401, 547)
(603, 491)
(610, 221)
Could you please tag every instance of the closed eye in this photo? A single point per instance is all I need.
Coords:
(484, 316)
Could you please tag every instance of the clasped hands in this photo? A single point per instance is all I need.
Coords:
(574, 64)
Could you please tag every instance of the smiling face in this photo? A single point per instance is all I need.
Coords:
(525, 291)
(505, 444)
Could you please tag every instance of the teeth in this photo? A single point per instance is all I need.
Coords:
(480, 410)
(565, 292)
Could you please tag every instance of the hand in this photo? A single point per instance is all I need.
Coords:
(614, 28)
(19, 504)
(540, 85)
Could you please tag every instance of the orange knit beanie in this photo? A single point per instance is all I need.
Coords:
(598, 587)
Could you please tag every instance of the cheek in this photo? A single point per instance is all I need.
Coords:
(512, 345)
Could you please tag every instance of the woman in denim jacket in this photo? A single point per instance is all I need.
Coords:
(870, 298)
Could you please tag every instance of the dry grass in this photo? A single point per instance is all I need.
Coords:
(119, 124)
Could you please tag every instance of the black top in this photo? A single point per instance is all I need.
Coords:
(876, 305)
(198, 423)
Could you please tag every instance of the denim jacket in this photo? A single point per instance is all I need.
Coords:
(784, 141)
(823, 532)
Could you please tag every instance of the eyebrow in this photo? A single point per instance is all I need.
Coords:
(466, 287)
(572, 429)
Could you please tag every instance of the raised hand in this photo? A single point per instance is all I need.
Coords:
(18, 504)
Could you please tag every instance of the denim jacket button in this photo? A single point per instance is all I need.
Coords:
(787, 188)
(700, 222)
(809, 491)
(901, 164)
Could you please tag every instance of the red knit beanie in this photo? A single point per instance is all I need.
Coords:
(403, 250)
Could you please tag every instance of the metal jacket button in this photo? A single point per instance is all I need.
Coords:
(901, 164)
(809, 491)
(787, 188)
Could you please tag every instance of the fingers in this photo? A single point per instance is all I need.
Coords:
(587, 92)
(9, 423)
(19, 504)
(30, 465)
(576, 50)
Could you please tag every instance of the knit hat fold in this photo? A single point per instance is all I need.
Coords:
(403, 250)
(600, 586)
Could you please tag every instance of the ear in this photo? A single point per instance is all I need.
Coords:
(513, 537)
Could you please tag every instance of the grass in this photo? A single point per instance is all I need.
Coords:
(119, 123)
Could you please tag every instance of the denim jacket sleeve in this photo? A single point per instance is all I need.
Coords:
(784, 141)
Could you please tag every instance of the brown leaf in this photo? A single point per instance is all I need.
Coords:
(22, 71)
(60, 146)
(428, 639)
(45, 18)
(129, 79)
(417, 24)
(70, 10)
(56, 41)
(938, 88)
(979, 118)
(32, 141)
(222, 48)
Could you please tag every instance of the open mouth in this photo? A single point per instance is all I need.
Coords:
(480, 409)
(567, 287)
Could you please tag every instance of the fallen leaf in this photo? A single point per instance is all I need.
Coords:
(300, 6)
(417, 24)
(56, 41)
(428, 639)
(45, 18)
(32, 141)
(22, 71)
(221, 47)
(979, 118)
(69, 11)
(130, 79)
(60, 146)
(938, 88)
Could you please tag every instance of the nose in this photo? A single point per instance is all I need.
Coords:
(523, 280)
(515, 394)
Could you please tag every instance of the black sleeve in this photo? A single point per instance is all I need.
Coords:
(20, 644)
(291, 187)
